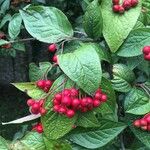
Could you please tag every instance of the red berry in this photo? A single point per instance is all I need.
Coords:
(46, 89)
(52, 48)
(70, 113)
(40, 84)
(34, 111)
(84, 109)
(96, 103)
(98, 95)
(126, 4)
(75, 103)
(143, 122)
(56, 108)
(36, 106)
(54, 59)
(74, 92)
(7, 46)
(115, 2)
(116, 8)
(89, 101)
(147, 57)
(137, 123)
(43, 111)
(56, 102)
(74, 126)
(41, 102)
(39, 129)
(144, 127)
(104, 98)
(148, 119)
(134, 2)
(2, 35)
(146, 50)
(66, 92)
(84, 102)
(30, 102)
(62, 110)
(66, 100)
(147, 115)
(58, 96)
(148, 128)
(98, 90)
(48, 83)
(121, 10)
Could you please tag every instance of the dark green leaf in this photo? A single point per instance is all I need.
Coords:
(5, 19)
(93, 21)
(46, 24)
(19, 46)
(83, 67)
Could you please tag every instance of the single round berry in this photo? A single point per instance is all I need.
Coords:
(121, 10)
(144, 128)
(74, 92)
(56, 102)
(84, 102)
(75, 103)
(143, 122)
(147, 57)
(134, 3)
(34, 111)
(146, 50)
(104, 98)
(96, 103)
(62, 110)
(56, 108)
(54, 59)
(58, 96)
(43, 111)
(30, 102)
(66, 92)
(39, 129)
(148, 119)
(89, 101)
(48, 83)
(115, 2)
(116, 8)
(137, 123)
(66, 100)
(98, 90)
(52, 48)
(70, 113)
(40, 84)
(36, 106)
(127, 4)
(98, 95)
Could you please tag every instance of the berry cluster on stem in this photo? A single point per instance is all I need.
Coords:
(143, 123)
(126, 5)
(146, 53)
(68, 102)
(38, 128)
(52, 48)
(45, 85)
(36, 107)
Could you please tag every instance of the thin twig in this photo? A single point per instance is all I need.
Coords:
(23, 40)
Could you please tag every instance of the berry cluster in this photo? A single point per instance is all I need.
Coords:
(68, 102)
(52, 48)
(143, 123)
(126, 5)
(146, 52)
(3, 36)
(38, 127)
(45, 85)
(36, 107)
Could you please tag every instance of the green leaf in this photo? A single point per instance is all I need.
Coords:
(15, 26)
(31, 89)
(93, 21)
(56, 125)
(3, 42)
(137, 102)
(5, 19)
(135, 42)
(116, 27)
(83, 67)
(109, 108)
(46, 24)
(38, 72)
(87, 120)
(4, 6)
(19, 46)
(143, 136)
(3, 144)
(34, 141)
(98, 137)
(122, 77)
(57, 145)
